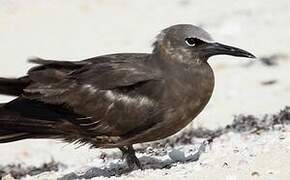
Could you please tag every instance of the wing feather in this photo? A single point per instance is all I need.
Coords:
(107, 91)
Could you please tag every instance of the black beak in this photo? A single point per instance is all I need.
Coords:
(220, 49)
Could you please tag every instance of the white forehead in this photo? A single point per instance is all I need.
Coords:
(184, 31)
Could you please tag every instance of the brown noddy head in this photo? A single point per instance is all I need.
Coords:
(185, 42)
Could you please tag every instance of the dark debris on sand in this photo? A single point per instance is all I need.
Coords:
(17, 170)
(241, 123)
(269, 82)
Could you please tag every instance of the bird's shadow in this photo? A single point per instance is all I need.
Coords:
(118, 169)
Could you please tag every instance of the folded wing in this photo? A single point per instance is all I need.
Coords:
(112, 95)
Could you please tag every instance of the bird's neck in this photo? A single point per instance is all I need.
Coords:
(173, 60)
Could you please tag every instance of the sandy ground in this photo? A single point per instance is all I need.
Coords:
(80, 29)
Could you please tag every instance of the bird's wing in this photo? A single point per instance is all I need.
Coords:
(106, 92)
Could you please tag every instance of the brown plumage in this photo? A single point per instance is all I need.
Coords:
(115, 100)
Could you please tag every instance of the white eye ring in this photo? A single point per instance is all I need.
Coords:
(191, 41)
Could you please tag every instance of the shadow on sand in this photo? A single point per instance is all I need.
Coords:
(118, 169)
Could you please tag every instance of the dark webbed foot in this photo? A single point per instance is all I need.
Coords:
(130, 157)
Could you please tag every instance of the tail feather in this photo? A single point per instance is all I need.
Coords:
(23, 119)
(8, 136)
(13, 86)
(28, 125)
(14, 130)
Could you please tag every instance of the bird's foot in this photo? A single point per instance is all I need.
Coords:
(130, 157)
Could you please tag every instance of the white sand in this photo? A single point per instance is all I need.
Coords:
(80, 29)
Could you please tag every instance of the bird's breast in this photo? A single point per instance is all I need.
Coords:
(186, 96)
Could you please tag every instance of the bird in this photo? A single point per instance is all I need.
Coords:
(115, 100)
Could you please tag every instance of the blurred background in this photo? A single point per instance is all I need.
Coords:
(77, 29)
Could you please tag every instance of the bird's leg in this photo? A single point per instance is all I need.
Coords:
(130, 157)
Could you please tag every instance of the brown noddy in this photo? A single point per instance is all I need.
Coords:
(115, 100)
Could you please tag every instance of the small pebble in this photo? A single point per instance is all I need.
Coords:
(225, 164)
(255, 173)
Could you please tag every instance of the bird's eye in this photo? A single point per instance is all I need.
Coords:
(192, 41)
